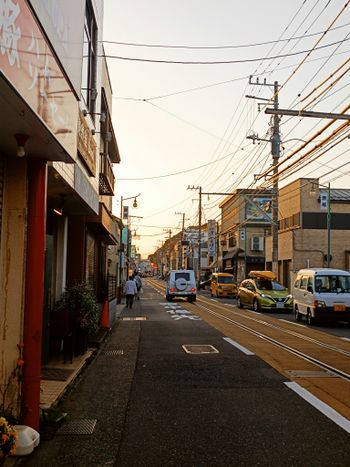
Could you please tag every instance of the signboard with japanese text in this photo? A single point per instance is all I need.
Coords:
(211, 238)
(30, 66)
(324, 201)
(64, 23)
(125, 212)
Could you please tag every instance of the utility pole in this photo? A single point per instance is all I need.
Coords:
(275, 152)
(200, 236)
(199, 232)
(180, 255)
(200, 222)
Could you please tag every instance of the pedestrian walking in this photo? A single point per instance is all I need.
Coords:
(138, 282)
(130, 292)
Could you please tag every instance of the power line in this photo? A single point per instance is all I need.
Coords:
(181, 172)
(220, 62)
(218, 47)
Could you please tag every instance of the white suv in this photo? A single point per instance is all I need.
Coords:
(181, 283)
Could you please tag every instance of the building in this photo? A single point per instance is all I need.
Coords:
(245, 222)
(302, 228)
(57, 148)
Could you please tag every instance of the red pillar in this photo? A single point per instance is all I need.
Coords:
(34, 292)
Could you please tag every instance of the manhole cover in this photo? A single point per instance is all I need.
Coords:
(78, 427)
(311, 374)
(134, 318)
(113, 353)
(199, 349)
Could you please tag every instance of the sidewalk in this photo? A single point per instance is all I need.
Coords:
(97, 406)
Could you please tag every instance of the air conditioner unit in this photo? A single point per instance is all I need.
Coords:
(257, 244)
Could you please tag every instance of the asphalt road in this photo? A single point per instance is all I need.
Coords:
(157, 405)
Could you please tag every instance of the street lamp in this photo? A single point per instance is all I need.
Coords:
(328, 199)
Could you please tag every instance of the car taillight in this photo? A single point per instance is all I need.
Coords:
(172, 289)
(194, 290)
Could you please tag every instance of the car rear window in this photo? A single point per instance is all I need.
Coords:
(225, 280)
(182, 275)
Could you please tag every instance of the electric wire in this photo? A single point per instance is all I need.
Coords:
(215, 47)
(223, 62)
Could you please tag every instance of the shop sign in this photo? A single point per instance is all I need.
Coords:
(29, 64)
(86, 144)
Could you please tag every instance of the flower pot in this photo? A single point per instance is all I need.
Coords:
(27, 440)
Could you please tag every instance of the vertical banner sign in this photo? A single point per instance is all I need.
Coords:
(125, 212)
(324, 201)
(212, 238)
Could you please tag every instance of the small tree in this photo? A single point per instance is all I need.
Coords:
(80, 300)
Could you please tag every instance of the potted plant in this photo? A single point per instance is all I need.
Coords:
(81, 302)
(7, 439)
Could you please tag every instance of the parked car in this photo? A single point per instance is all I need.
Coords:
(322, 294)
(181, 283)
(223, 285)
(261, 291)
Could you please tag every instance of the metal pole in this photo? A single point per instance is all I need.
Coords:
(245, 251)
(121, 247)
(182, 239)
(275, 150)
(329, 225)
(200, 236)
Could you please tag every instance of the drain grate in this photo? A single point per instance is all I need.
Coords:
(78, 427)
(200, 349)
(113, 353)
(311, 374)
(134, 318)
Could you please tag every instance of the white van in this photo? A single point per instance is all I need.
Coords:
(181, 283)
(322, 294)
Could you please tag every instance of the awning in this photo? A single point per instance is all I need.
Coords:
(231, 254)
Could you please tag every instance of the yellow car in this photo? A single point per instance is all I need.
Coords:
(223, 285)
(261, 291)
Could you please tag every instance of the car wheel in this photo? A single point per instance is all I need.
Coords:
(297, 315)
(309, 319)
(256, 306)
(169, 298)
(239, 303)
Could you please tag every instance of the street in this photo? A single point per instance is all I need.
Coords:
(179, 393)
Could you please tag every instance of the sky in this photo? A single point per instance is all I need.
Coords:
(181, 125)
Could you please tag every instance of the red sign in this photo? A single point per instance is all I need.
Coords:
(28, 63)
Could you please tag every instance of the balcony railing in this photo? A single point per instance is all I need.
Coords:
(106, 180)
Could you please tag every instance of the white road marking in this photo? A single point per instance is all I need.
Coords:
(292, 322)
(332, 414)
(176, 312)
(238, 346)
(346, 338)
